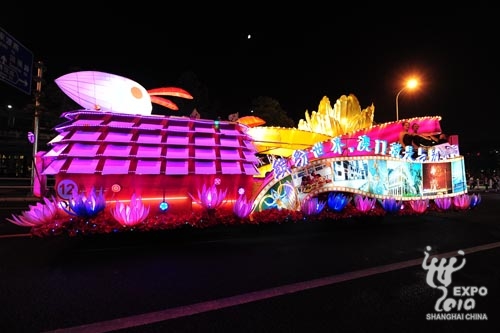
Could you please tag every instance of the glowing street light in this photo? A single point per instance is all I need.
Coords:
(410, 84)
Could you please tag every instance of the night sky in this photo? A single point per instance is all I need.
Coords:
(295, 59)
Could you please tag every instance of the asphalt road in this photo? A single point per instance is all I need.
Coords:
(331, 276)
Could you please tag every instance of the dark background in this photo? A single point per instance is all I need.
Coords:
(295, 55)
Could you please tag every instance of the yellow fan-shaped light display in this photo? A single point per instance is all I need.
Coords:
(346, 116)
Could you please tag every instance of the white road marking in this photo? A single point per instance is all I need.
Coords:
(188, 310)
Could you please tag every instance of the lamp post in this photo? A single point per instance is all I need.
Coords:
(38, 92)
(11, 121)
(410, 84)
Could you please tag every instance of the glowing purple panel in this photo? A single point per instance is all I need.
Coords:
(204, 128)
(116, 167)
(250, 169)
(119, 137)
(56, 151)
(148, 151)
(176, 167)
(205, 153)
(205, 167)
(87, 122)
(249, 145)
(250, 156)
(58, 138)
(230, 132)
(120, 124)
(150, 126)
(204, 141)
(229, 142)
(229, 154)
(86, 136)
(54, 167)
(178, 127)
(177, 152)
(149, 138)
(177, 139)
(117, 151)
(83, 150)
(148, 167)
(230, 167)
(83, 165)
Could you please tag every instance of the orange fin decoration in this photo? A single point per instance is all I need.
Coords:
(164, 102)
(170, 91)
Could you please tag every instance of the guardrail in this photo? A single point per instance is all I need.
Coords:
(20, 187)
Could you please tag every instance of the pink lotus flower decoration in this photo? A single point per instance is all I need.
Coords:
(475, 199)
(38, 214)
(337, 201)
(132, 214)
(391, 205)
(443, 203)
(312, 206)
(242, 207)
(419, 205)
(461, 201)
(209, 197)
(364, 204)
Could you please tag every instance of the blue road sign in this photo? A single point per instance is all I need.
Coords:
(16, 63)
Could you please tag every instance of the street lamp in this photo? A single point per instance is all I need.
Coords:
(410, 84)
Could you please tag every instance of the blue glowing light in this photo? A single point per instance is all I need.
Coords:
(164, 206)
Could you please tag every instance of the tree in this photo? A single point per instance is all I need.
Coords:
(271, 111)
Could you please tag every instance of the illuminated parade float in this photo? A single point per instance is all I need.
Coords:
(118, 167)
